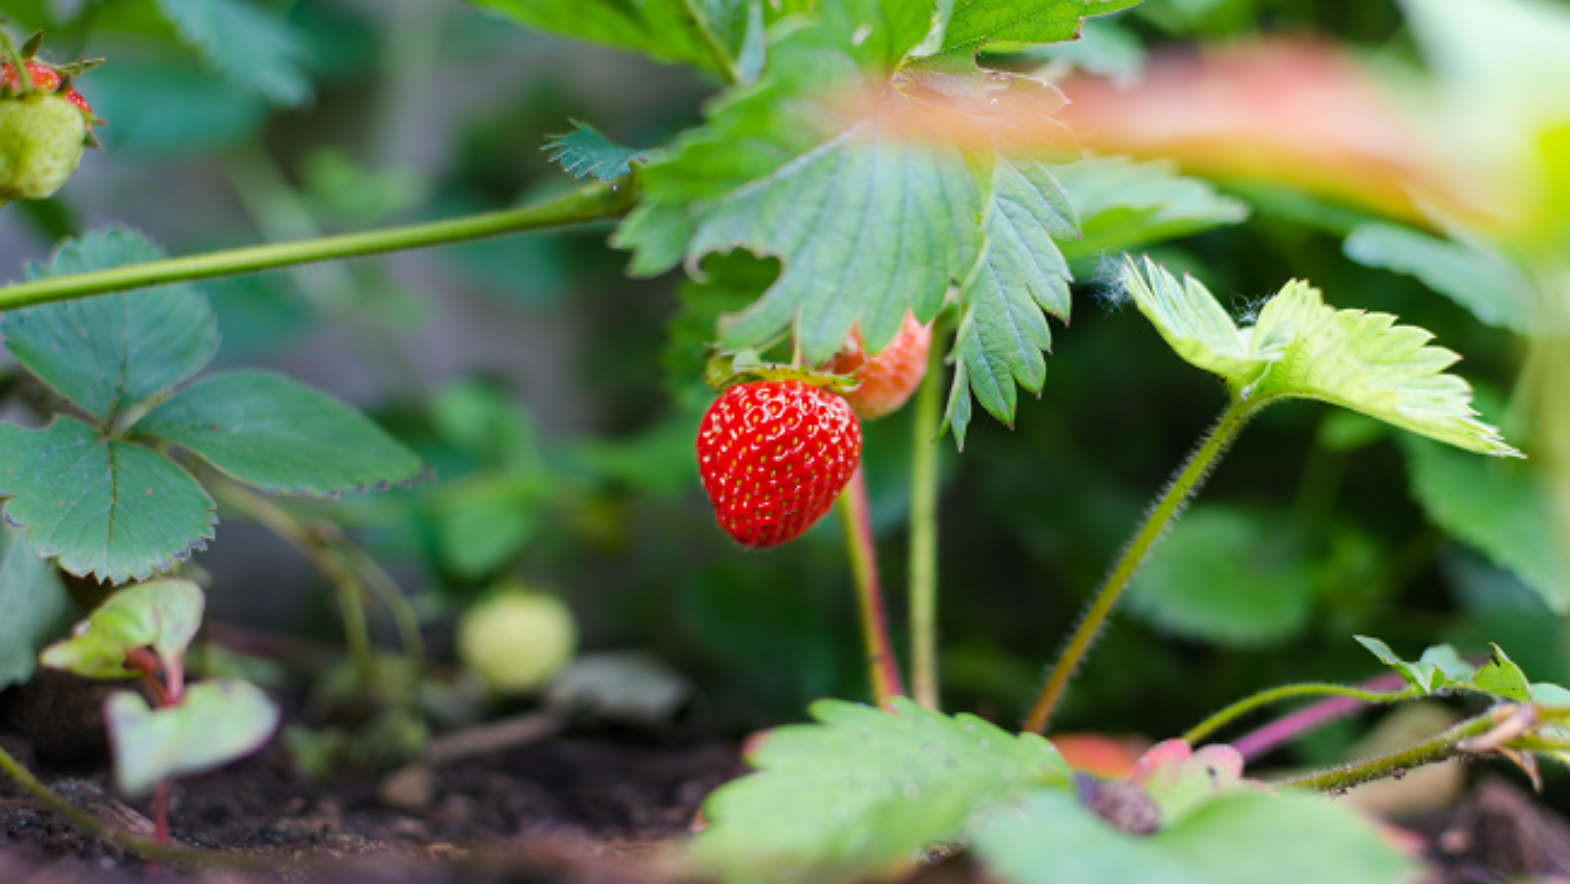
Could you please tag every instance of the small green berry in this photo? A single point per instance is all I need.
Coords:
(41, 142)
(517, 640)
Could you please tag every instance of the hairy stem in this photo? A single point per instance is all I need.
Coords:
(1440, 747)
(1178, 493)
(1310, 718)
(592, 203)
(1286, 692)
(924, 533)
(882, 668)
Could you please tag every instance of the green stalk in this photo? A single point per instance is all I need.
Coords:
(1286, 692)
(592, 203)
(924, 532)
(1178, 493)
(882, 669)
(23, 77)
(728, 68)
(1440, 747)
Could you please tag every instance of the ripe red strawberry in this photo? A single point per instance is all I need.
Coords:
(773, 456)
(889, 378)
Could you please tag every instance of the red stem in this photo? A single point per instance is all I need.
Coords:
(883, 669)
(168, 692)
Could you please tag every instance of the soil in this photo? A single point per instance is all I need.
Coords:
(581, 807)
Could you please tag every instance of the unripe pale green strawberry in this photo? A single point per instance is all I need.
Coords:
(41, 142)
(517, 640)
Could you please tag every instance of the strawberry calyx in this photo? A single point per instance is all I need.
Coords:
(34, 76)
(728, 368)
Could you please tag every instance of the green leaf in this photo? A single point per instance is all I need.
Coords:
(858, 794)
(271, 432)
(1442, 669)
(666, 30)
(1227, 576)
(38, 609)
(1236, 838)
(1427, 676)
(585, 151)
(870, 225)
(485, 520)
(105, 508)
(216, 722)
(109, 353)
(1188, 316)
(1501, 677)
(974, 24)
(1124, 204)
(1469, 274)
(160, 614)
(252, 48)
(1301, 348)
(1500, 508)
(730, 283)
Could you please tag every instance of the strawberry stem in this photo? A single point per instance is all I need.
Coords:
(1292, 691)
(18, 63)
(1167, 508)
(882, 667)
(924, 531)
(595, 202)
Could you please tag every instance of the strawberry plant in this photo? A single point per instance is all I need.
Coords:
(876, 220)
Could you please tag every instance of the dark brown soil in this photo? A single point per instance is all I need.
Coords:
(582, 806)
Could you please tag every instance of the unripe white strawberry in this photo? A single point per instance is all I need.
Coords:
(41, 140)
(517, 640)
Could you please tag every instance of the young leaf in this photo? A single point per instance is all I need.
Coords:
(1227, 576)
(1301, 348)
(585, 151)
(105, 508)
(216, 722)
(37, 607)
(1125, 204)
(160, 614)
(1240, 837)
(1425, 675)
(1501, 677)
(858, 794)
(252, 48)
(110, 353)
(1472, 276)
(268, 431)
(1500, 508)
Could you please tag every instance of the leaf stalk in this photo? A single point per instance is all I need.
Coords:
(1287, 692)
(924, 532)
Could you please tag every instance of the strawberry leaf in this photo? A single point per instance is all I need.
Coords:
(215, 723)
(1472, 275)
(268, 431)
(252, 48)
(975, 24)
(1241, 837)
(111, 353)
(38, 608)
(1301, 348)
(584, 151)
(1500, 508)
(712, 34)
(102, 507)
(858, 794)
(1125, 204)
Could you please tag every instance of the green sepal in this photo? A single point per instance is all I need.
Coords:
(728, 368)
